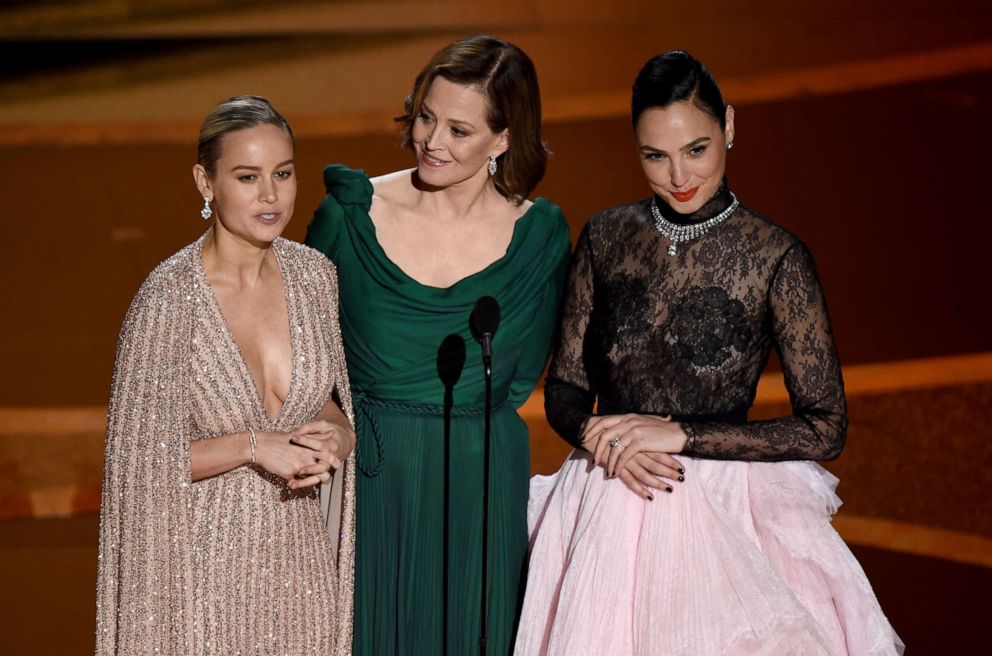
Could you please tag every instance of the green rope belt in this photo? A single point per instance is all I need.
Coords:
(367, 424)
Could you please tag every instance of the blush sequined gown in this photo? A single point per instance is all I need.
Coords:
(236, 563)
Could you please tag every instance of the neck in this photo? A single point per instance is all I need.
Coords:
(715, 204)
(459, 200)
(232, 258)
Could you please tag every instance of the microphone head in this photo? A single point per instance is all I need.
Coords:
(484, 318)
(451, 359)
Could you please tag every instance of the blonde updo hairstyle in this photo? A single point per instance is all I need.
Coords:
(233, 114)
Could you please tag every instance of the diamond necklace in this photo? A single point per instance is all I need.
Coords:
(679, 234)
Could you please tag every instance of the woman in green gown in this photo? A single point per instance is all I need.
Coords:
(415, 250)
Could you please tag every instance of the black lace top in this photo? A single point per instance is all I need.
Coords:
(688, 335)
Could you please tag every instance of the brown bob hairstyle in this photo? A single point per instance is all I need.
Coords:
(506, 76)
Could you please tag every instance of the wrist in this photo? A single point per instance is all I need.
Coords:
(580, 437)
(263, 441)
(351, 439)
(689, 437)
(249, 447)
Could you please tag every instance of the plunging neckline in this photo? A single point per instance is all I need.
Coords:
(242, 362)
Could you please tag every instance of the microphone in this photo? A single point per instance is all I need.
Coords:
(451, 360)
(483, 323)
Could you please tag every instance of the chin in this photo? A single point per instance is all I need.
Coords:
(266, 234)
(434, 177)
(689, 206)
(702, 196)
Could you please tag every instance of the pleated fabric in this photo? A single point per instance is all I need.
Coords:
(393, 328)
(740, 560)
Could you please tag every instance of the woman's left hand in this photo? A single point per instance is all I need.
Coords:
(636, 434)
(332, 436)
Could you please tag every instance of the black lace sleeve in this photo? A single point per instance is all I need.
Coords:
(804, 341)
(568, 395)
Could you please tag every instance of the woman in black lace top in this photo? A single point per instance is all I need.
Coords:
(674, 305)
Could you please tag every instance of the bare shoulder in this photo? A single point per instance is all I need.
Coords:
(522, 208)
(394, 188)
(506, 212)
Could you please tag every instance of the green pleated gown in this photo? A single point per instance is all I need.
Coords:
(393, 328)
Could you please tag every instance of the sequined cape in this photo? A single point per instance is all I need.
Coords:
(236, 563)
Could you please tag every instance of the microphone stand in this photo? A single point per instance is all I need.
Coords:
(486, 439)
(483, 323)
(450, 361)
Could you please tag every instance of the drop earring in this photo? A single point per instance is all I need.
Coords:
(206, 212)
(492, 165)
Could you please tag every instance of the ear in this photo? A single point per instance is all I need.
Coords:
(502, 143)
(202, 181)
(728, 131)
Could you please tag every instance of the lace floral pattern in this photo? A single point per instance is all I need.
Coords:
(689, 334)
(706, 325)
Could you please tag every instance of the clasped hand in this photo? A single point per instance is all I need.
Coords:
(636, 449)
(306, 456)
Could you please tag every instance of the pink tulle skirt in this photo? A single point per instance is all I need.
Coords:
(740, 559)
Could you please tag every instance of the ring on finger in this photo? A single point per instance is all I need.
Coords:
(615, 442)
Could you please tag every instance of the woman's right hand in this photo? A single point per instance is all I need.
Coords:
(644, 472)
(643, 469)
(301, 465)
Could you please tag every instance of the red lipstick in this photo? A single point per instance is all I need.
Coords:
(683, 196)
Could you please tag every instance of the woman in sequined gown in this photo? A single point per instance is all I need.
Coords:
(677, 526)
(416, 249)
(229, 406)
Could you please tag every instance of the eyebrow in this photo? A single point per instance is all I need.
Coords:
(258, 168)
(426, 108)
(689, 146)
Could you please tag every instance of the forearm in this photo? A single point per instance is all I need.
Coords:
(333, 413)
(569, 393)
(217, 455)
(817, 427)
(341, 427)
(568, 407)
(807, 436)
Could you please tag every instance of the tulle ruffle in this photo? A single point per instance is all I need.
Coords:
(740, 559)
